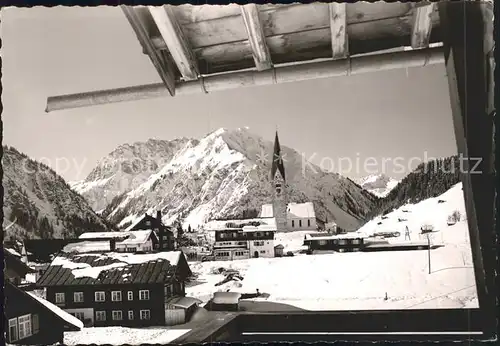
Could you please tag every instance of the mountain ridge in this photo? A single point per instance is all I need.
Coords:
(224, 173)
(42, 202)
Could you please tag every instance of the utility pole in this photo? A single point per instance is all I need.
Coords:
(429, 250)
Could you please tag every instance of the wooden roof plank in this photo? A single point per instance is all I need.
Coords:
(422, 24)
(175, 41)
(338, 28)
(164, 68)
(256, 37)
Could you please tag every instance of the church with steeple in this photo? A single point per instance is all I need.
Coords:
(289, 216)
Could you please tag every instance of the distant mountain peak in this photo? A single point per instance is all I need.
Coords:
(378, 184)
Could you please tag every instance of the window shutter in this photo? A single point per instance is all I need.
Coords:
(35, 323)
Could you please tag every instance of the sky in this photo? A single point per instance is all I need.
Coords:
(376, 117)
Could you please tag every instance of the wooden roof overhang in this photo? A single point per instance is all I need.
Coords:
(205, 48)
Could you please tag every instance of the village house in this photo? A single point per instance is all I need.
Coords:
(241, 239)
(329, 242)
(120, 289)
(15, 270)
(128, 241)
(165, 236)
(31, 320)
(278, 250)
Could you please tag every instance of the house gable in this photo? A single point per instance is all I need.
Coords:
(18, 303)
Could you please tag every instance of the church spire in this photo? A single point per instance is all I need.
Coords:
(277, 164)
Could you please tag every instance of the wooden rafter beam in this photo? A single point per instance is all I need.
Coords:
(162, 66)
(421, 25)
(338, 27)
(175, 40)
(248, 78)
(256, 37)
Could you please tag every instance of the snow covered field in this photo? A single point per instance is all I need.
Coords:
(122, 335)
(359, 280)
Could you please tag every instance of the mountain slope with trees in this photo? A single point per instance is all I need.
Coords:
(429, 179)
(41, 203)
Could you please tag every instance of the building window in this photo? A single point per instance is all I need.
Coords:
(145, 314)
(117, 315)
(116, 296)
(168, 290)
(60, 298)
(165, 237)
(144, 295)
(131, 315)
(100, 296)
(148, 223)
(293, 223)
(131, 249)
(258, 243)
(300, 223)
(79, 315)
(262, 251)
(78, 297)
(308, 223)
(13, 330)
(322, 242)
(24, 323)
(100, 315)
(35, 323)
(130, 295)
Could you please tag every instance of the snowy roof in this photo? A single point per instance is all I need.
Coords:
(238, 224)
(104, 235)
(319, 236)
(112, 268)
(300, 210)
(12, 252)
(269, 225)
(226, 297)
(136, 237)
(88, 246)
(184, 302)
(58, 311)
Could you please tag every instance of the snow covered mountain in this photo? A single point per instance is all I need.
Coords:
(378, 184)
(41, 202)
(225, 173)
(125, 169)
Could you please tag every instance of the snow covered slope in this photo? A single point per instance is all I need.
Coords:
(221, 175)
(41, 202)
(380, 185)
(360, 280)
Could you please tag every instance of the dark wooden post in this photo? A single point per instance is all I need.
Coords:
(467, 28)
(429, 250)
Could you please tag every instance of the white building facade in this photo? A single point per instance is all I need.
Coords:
(299, 216)
(243, 239)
